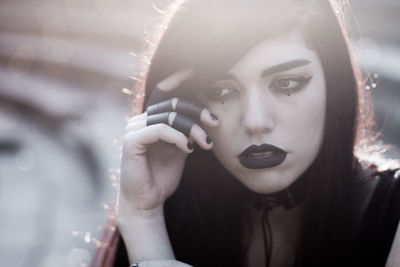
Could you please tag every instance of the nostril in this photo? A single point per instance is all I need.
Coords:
(258, 124)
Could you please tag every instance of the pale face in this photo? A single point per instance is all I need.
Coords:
(275, 95)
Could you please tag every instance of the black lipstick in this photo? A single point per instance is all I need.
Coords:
(262, 156)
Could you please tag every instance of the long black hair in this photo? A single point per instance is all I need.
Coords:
(207, 216)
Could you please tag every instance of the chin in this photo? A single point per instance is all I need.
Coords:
(267, 181)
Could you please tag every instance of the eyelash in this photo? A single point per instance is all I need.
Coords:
(300, 80)
(216, 93)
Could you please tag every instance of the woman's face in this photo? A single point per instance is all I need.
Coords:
(271, 106)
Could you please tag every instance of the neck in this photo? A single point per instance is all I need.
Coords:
(284, 225)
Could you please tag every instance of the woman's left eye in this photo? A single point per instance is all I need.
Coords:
(289, 84)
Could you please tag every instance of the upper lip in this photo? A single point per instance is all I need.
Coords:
(261, 148)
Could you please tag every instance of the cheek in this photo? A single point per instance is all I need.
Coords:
(225, 135)
(310, 119)
(228, 116)
(311, 107)
(309, 126)
(312, 132)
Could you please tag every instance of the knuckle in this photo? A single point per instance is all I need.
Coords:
(127, 128)
(160, 128)
(128, 139)
(196, 129)
(181, 135)
(134, 126)
(136, 117)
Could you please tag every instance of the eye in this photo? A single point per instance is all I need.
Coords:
(221, 92)
(290, 84)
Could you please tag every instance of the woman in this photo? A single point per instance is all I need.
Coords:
(244, 153)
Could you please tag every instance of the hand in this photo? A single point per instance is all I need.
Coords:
(156, 144)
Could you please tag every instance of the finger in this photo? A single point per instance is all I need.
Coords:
(200, 137)
(197, 134)
(176, 121)
(162, 91)
(184, 125)
(147, 136)
(181, 106)
(157, 96)
(136, 118)
(135, 126)
(189, 109)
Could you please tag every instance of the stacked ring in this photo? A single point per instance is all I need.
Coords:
(177, 113)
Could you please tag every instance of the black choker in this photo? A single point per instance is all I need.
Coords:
(288, 198)
(269, 201)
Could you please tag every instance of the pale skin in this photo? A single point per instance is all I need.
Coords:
(143, 228)
(154, 156)
(153, 160)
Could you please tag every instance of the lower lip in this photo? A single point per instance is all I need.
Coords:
(262, 162)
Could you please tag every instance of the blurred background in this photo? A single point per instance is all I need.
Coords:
(66, 70)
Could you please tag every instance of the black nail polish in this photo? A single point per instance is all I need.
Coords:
(208, 140)
(190, 146)
(214, 117)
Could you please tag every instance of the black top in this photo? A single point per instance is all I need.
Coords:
(379, 222)
(376, 229)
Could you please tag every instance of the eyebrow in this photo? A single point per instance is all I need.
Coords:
(284, 66)
(274, 69)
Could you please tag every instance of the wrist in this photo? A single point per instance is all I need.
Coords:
(145, 235)
(134, 215)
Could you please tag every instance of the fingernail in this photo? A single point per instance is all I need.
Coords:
(208, 140)
(214, 117)
(190, 146)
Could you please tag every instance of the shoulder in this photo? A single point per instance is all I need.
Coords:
(375, 190)
(394, 255)
(387, 190)
(383, 189)
(388, 193)
(378, 223)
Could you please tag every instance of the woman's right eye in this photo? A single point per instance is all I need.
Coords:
(221, 93)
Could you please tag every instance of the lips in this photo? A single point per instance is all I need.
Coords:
(262, 156)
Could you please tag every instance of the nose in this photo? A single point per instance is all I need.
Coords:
(258, 115)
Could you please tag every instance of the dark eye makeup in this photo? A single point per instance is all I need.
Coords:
(223, 90)
(289, 84)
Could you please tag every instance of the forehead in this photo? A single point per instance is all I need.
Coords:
(274, 51)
